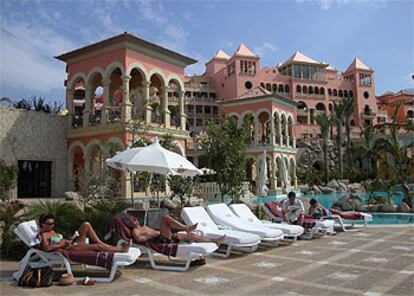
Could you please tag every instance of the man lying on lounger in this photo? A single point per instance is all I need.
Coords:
(128, 227)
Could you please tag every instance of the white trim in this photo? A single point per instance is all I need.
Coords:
(95, 70)
(141, 68)
(111, 67)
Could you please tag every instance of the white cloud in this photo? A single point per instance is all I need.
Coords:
(327, 4)
(26, 53)
(266, 48)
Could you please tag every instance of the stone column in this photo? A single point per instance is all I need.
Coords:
(70, 180)
(272, 132)
(164, 107)
(70, 94)
(273, 178)
(287, 133)
(279, 132)
(147, 107)
(183, 116)
(106, 103)
(256, 131)
(308, 117)
(126, 104)
(88, 106)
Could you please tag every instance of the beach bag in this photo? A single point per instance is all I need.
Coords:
(36, 277)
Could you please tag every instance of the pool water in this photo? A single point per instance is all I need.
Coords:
(327, 200)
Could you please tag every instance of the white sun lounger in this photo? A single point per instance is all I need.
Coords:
(320, 228)
(27, 232)
(186, 253)
(222, 215)
(235, 240)
(243, 212)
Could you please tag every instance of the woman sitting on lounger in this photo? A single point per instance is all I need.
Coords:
(51, 241)
(145, 234)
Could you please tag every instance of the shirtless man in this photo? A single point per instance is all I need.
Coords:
(142, 234)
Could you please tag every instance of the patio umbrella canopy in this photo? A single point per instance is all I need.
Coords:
(153, 159)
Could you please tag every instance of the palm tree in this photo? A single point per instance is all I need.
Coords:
(338, 121)
(324, 122)
(349, 109)
(369, 152)
(391, 143)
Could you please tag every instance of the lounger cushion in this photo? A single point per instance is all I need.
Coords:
(203, 249)
(221, 214)
(244, 213)
(128, 257)
(29, 230)
(206, 225)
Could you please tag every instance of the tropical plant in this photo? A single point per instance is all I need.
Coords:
(390, 143)
(8, 175)
(310, 176)
(368, 151)
(338, 121)
(11, 214)
(348, 112)
(101, 212)
(324, 122)
(67, 216)
(180, 186)
(225, 147)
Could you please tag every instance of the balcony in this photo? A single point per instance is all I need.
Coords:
(368, 114)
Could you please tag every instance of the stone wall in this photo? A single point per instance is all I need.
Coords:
(31, 135)
(310, 154)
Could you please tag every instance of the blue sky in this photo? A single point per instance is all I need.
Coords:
(379, 32)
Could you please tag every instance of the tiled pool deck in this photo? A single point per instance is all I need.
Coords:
(375, 261)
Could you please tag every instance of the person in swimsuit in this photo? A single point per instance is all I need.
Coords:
(142, 234)
(51, 241)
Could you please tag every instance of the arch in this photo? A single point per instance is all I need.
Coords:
(298, 89)
(335, 93)
(351, 94)
(258, 112)
(320, 107)
(274, 87)
(322, 91)
(268, 87)
(77, 76)
(352, 122)
(280, 88)
(139, 67)
(316, 90)
(340, 93)
(74, 145)
(90, 145)
(262, 84)
(159, 73)
(305, 89)
(176, 79)
(116, 140)
(410, 114)
(111, 67)
(234, 116)
(310, 90)
(302, 106)
(287, 89)
(93, 72)
(345, 93)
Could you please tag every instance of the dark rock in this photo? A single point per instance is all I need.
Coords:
(333, 184)
(328, 190)
(403, 208)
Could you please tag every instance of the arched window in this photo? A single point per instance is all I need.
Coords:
(298, 89)
(320, 107)
(345, 93)
(335, 92)
(268, 87)
(352, 122)
(329, 92)
(310, 90)
(274, 87)
(280, 88)
(287, 89)
(351, 94)
(322, 91)
(262, 85)
(410, 114)
(316, 91)
(340, 93)
(305, 89)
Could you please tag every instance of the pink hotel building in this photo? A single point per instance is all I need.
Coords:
(277, 104)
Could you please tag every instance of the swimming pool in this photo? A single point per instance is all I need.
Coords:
(327, 201)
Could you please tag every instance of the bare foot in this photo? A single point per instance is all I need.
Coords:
(125, 246)
(220, 240)
(191, 228)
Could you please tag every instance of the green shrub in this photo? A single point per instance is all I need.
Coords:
(101, 212)
(68, 217)
(8, 175)
(11, 214)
